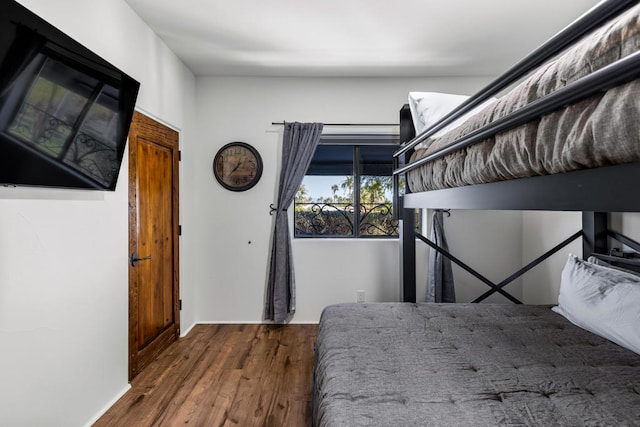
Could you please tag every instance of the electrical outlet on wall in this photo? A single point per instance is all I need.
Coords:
(360, 297)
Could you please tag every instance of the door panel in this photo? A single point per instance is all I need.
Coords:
(153, 240)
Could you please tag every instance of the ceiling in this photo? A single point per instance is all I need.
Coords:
(359, 38)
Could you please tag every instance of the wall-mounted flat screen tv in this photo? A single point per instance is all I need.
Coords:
(64, 111)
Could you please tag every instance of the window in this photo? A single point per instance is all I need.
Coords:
(348, 189)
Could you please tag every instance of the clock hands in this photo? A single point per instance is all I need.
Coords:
(237, 166)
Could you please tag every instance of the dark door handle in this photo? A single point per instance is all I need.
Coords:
(135, 259)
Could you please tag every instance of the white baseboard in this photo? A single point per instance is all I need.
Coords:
(184, 333)
(229, 322)
(304, 322)
(254, 322)
(108, 405)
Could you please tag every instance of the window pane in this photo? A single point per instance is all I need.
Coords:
(324, 206)
(376, 191)
(376, 214)
(332, 160)
(376, 159)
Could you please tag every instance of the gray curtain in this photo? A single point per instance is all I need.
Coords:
(298, 145)
(440, 283)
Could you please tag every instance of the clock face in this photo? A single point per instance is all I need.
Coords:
(237, 166)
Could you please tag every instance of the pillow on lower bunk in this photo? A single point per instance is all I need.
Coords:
(603, 300)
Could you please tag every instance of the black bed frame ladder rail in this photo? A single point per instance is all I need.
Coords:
(596, 232)
(624, 240)
(594, 235)
(499, 286)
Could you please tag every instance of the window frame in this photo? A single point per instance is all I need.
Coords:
(356, 141)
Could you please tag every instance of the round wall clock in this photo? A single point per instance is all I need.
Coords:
(237, 166)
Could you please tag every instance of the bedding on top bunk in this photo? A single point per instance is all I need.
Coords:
(599, 131)
(401, 364)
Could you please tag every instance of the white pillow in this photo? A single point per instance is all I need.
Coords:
(427, 108)
(603, 300)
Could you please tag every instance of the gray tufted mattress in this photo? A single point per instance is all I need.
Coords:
(401, 364)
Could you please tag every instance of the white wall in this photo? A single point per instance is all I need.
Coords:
(542, 231)
(490, 242)
(230, 272)
(63, 253)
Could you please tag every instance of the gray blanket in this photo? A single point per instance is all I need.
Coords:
(401, 364)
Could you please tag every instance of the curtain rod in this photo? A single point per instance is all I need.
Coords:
(346, 124)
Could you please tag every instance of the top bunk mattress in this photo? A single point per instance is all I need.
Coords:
(598, 131)
(404, 364)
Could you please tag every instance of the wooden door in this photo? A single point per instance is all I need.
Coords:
(154, 306)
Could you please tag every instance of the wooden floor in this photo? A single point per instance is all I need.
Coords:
(224, 375)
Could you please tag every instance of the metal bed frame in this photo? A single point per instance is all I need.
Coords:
(595, 192)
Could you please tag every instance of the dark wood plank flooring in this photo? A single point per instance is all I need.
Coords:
(224, 375)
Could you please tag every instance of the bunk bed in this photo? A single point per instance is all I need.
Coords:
(577, 363)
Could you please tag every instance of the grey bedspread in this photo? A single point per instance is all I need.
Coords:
(599, 131)
(401, 364)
